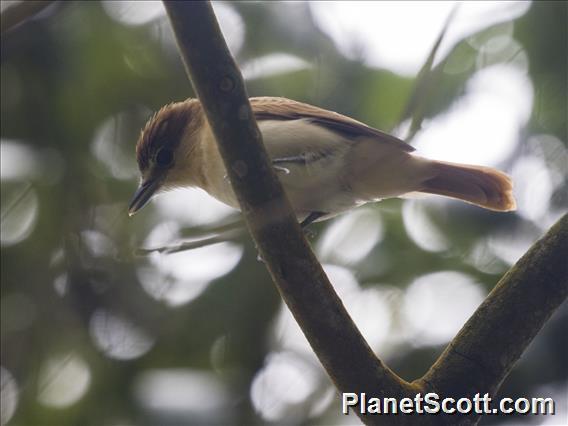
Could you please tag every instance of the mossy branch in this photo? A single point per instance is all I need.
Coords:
(494, 338)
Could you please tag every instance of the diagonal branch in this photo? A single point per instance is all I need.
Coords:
(480, 356)
(16, 14)
(191, 244)
(281, 243)
(493, 339)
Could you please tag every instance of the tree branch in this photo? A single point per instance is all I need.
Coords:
(493, 339)
(296, 272)
(480, 356)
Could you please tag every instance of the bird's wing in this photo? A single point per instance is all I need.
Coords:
(270, 108)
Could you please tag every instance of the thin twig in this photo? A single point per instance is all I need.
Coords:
(199, 232)
(425, 80)
(14, 15)
(17, 200)
(193, 244)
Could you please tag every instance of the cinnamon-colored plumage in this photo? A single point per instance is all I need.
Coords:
(327, 162)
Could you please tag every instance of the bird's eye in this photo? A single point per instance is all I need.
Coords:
(164, 157)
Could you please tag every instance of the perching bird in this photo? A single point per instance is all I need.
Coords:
(328, 163)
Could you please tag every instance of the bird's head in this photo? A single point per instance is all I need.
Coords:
(165, 150)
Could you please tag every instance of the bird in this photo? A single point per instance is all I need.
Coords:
(328, 163)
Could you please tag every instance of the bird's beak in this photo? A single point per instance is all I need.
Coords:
(143, 194)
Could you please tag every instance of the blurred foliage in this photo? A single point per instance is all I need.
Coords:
(71, 69)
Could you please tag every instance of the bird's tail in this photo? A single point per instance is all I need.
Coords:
(482, 186)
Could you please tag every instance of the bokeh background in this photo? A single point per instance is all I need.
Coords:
(94, 334)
